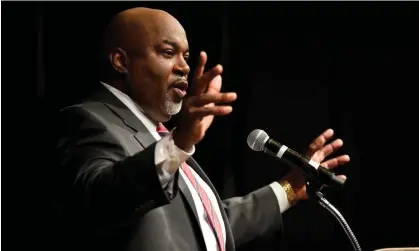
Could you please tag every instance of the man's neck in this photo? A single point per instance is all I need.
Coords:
(146, 113)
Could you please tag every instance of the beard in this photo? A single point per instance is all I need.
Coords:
(172, 107)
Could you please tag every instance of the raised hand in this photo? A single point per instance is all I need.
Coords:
(318, 152)
(203, 102)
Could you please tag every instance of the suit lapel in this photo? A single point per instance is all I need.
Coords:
(229, 235)
(141, 133)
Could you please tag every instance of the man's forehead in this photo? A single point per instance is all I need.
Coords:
(169, 33)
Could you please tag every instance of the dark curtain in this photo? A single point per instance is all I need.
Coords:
(298, 68)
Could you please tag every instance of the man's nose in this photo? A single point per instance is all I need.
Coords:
(182, 68)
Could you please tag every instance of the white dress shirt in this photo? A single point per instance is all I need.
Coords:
(168, 158)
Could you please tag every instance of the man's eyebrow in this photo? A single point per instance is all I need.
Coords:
(174, 44)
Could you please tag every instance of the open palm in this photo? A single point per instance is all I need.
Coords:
(318, 152)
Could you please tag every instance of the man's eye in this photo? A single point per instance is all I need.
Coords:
(186, 57)
(168, 53)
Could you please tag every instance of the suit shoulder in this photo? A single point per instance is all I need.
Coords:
(88, 106)
(91, 111)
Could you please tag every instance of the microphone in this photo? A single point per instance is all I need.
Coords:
(258, 140)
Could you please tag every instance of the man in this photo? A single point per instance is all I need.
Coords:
(129, 184)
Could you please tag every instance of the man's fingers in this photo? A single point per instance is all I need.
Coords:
(215, 85)
(201, 65)
(207, 98)
(332, 163)
(342, 177)
(201, 83)
(318, 143)
(210, 110)
(328, 149)
(211, 74)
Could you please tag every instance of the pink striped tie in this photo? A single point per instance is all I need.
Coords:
(211, 215)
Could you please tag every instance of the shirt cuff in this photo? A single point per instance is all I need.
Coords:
(281, 195)
(168, 156)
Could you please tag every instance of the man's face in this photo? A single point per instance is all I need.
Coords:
(159, 74)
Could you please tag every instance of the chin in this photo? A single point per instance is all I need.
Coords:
(171, 108)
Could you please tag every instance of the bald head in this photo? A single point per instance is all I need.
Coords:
(134, 29)
(148, 50)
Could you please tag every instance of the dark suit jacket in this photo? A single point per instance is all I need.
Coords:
(112, 198)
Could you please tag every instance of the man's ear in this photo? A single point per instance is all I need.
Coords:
(119, 60)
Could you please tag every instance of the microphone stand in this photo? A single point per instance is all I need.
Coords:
(313, 192)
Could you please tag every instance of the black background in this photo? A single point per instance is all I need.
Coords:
(298, 68)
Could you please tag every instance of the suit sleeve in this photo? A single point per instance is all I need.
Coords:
(254, 215)
(99, 177)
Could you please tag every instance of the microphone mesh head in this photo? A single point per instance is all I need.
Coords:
(257, 139)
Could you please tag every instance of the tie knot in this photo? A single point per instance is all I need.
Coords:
(161, 129)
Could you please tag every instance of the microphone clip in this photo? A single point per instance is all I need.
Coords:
(314, 190)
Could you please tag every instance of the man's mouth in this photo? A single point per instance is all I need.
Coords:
(181, 93)
(179, 88)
